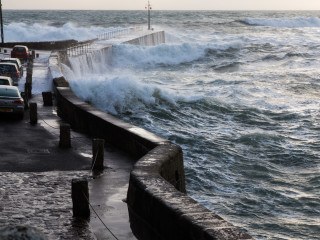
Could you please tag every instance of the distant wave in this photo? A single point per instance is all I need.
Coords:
(283, 22)
(54, 32)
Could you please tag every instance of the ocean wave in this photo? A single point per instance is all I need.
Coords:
(124, 93)
(301, 22)
(50, 32)
(165, 54)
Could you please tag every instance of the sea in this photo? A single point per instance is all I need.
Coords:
(237, 90)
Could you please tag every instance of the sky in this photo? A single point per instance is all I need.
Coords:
(164, 4)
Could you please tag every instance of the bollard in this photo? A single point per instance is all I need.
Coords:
(98, 154)
(47, 98)
(5, 50)
(65, 140)
(80, 198)
(37, 55)
(33, 113)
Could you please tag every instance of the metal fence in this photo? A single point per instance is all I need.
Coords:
(118, 32)
(84, 47)
(78, 49)
(114, 33)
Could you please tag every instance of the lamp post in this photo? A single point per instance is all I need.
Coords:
(149, 8)
(2, 40)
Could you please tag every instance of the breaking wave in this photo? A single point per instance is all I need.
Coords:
(284, 22)
(124, 93)
(166, 54)
(16, 32)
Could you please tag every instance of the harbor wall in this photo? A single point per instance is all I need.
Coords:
(158, 205)
(46, 45)
(153, 39)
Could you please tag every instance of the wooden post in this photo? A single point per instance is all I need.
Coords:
(47, 98)
(1, 18)
(80, 198)
(33, 113)
(65, 140)
(98, 154)
(29, 68)
(25, 95)
(28, 88)
(29, 78)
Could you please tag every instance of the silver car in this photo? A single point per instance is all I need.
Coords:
(6, 81)
(9, 70)
(16, 61)
(11, 101)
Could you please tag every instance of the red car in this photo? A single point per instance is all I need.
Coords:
(21, 52)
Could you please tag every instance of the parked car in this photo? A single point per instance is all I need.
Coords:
(16, 61)
(7, 81)
(21, 52)
(9, 70)
(11, 101)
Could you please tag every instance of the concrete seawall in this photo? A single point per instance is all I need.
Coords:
(149, 40)
(158, 205)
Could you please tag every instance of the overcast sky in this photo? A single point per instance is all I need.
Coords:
(165, 4)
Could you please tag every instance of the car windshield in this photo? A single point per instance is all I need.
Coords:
(4, 82)
(7, 68)
(9, 92)
(8, 61)
(19, 49)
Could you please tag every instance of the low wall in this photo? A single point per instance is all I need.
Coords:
(159, 208)
(46, 45)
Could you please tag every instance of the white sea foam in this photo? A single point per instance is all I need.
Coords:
(44, 32)
(118, 94)
(285, 22)
(165, 54)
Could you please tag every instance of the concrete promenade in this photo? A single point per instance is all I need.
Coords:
(35, 187)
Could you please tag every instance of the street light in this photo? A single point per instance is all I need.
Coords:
(149, 8)
(2, 40)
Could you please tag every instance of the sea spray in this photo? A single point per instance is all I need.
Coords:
(18, 31)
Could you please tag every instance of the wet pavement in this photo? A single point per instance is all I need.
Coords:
(36, 175)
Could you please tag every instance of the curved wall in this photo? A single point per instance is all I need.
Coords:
(157, 203)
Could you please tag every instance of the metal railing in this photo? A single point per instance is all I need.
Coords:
(78, 49)
(117, 32)
(113, 33)
(84, 47)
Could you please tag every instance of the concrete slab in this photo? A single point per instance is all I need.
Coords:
(36, 177)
